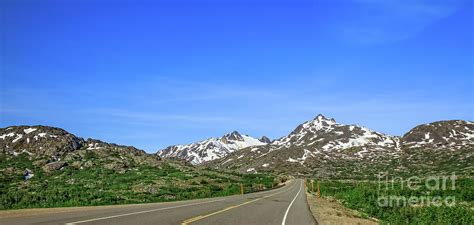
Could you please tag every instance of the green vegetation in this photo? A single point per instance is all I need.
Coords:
(97, 185)
(369, 199)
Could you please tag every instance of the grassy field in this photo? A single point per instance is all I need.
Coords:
(369, 199)
(100, 186)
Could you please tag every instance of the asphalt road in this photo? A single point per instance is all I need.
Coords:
(285, 206)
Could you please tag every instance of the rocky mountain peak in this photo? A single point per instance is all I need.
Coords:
(265, 139)
(320, 118)
(325, 134)
(233, 136)
(319, 124)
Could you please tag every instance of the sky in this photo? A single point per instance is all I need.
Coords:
(158, 73)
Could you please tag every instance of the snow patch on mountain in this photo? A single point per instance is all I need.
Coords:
(7, 135)
(29, 130)
(18, 137)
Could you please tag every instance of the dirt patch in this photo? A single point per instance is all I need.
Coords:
(328, 212)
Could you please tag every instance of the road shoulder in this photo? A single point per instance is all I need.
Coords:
(332, 212)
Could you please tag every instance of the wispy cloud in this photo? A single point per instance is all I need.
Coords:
(210, 93)
(384, 21)
(150, 117)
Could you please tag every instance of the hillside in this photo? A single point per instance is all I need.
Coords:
(44, 166)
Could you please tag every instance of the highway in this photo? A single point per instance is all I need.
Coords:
(282, 206)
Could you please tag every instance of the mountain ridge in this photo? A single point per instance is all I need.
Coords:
(320, 146)
(47, 145)
(211, 148)
(324, 147)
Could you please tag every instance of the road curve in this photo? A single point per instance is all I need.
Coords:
(283, 206)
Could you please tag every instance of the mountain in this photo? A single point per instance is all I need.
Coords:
(440, 135)
(325, 148)
(212, 148)
(440, 146)
(38, 140)
(323, 133)
(54, 148)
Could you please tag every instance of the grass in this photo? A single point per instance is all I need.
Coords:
(364, 197)
(99, 186)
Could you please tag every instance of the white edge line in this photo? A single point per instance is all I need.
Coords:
(288, 209)
(160, 209)
(286, 188)
(147, 211)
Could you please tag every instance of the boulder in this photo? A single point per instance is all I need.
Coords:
(53, 166)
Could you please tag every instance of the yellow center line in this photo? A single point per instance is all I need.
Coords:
(194, 219)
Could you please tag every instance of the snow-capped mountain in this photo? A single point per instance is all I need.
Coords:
(212, 148)
(324, 147)
(325, 134)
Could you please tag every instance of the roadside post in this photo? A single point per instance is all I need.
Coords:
(241, 189)
(318, 192)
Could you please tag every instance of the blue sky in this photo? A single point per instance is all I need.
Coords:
(156, 73)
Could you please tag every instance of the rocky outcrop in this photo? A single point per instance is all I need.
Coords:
(265, 139)
(53, 166)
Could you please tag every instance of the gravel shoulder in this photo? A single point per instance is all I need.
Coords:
(327, 212)
(42, 211)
